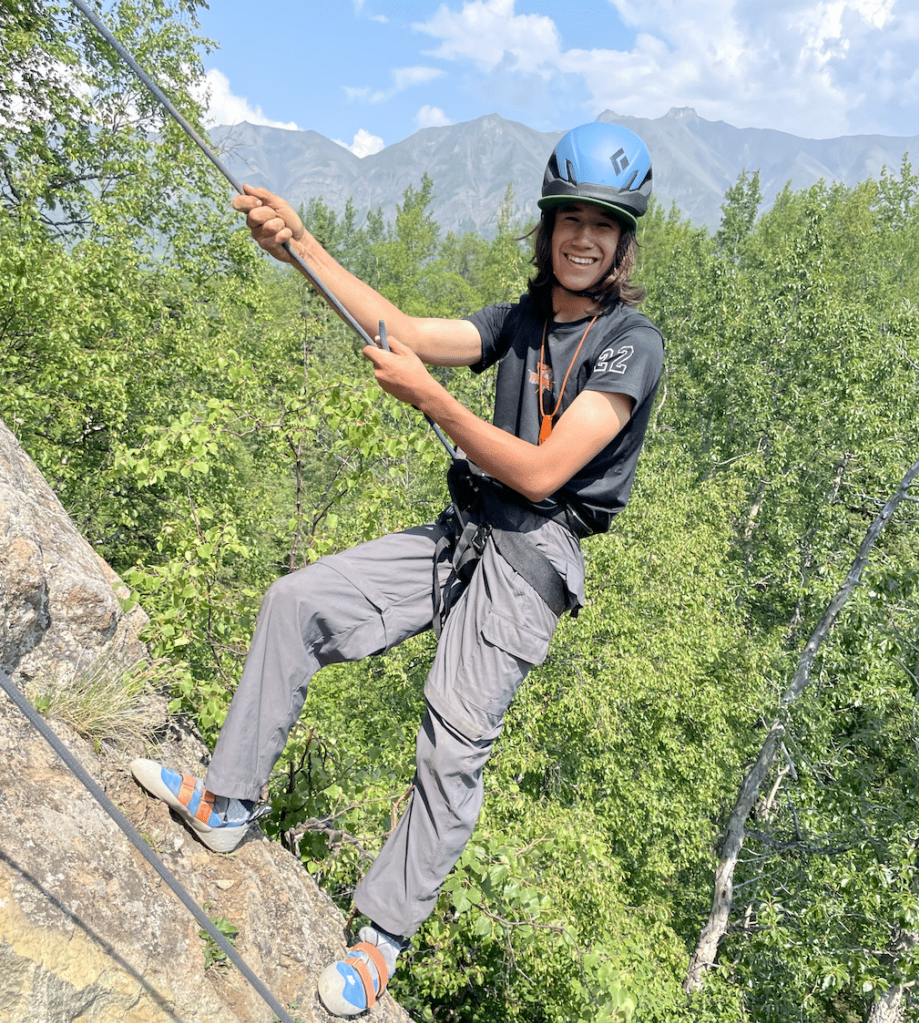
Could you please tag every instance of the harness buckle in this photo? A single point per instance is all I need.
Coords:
(480, 539)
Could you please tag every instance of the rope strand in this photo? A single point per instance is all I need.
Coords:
(41, 726)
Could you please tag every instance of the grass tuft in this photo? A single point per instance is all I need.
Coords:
(103, 702)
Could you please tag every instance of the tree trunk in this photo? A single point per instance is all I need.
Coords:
(703, 959)
(889, 1007)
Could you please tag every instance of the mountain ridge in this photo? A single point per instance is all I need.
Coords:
(471, 163)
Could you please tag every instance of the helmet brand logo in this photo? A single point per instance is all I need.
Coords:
(619, 161)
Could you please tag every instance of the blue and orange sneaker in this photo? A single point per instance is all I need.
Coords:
(219, 822)
(357, 981)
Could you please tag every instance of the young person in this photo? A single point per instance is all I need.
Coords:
(578, 368)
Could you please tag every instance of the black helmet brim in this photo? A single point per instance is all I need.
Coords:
(552, 202)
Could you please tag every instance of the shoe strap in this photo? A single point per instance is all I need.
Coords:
(360, 967)
(206, 807)
(186, 792)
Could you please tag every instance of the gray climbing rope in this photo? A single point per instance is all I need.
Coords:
(36, 720)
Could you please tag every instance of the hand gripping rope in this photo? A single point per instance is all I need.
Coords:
(208, 151)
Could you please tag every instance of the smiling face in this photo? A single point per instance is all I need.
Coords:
(584, 244)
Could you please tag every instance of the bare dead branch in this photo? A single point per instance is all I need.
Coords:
(394, 819)
(703, 959)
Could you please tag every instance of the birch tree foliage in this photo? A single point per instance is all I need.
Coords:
(808, 388)
(829, 902)
(814, 391)
(85, 149)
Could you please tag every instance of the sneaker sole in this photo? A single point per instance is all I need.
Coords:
(148, 774)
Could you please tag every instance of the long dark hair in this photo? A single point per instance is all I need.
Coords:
(618, 286)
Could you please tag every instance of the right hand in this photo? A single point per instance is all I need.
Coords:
(271, 221)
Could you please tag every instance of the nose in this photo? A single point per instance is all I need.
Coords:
(584, 235)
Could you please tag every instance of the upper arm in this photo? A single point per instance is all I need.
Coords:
(445, 342)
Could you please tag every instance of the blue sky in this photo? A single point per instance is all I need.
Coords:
(368, 73)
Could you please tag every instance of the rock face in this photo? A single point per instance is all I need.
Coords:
(88, 931)
(59, 599)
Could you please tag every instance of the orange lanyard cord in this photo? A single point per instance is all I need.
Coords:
(545, 421)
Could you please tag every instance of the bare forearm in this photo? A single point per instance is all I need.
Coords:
(536, 471)
(530, 470)
(438, 342)
(274, 225)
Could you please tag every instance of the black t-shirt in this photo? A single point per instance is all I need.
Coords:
(622, 354)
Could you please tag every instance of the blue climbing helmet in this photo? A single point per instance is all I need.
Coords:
(602, 164)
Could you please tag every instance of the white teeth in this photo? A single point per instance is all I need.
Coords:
(581, 261)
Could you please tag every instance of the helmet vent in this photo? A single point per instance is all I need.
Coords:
(571, 176)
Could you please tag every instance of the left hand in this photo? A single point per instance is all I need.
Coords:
(400, 372)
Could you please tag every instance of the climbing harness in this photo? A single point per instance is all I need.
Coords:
(41, 726)
(479, 513)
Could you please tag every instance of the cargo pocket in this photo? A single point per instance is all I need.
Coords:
(515, 637)
(487, 675)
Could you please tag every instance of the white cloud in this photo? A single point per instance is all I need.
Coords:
(431, 117)
(811, 67)
(402, 77)
(488, 32)
(364, 144)
(225, 108)
(359, 94)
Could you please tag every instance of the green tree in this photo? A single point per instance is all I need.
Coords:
(504, 266)
(87, 152)
(738, 213)
(801, 378)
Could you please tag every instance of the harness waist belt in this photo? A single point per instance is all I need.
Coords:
(475, 516)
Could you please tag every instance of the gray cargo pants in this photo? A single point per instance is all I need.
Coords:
(365, 601)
